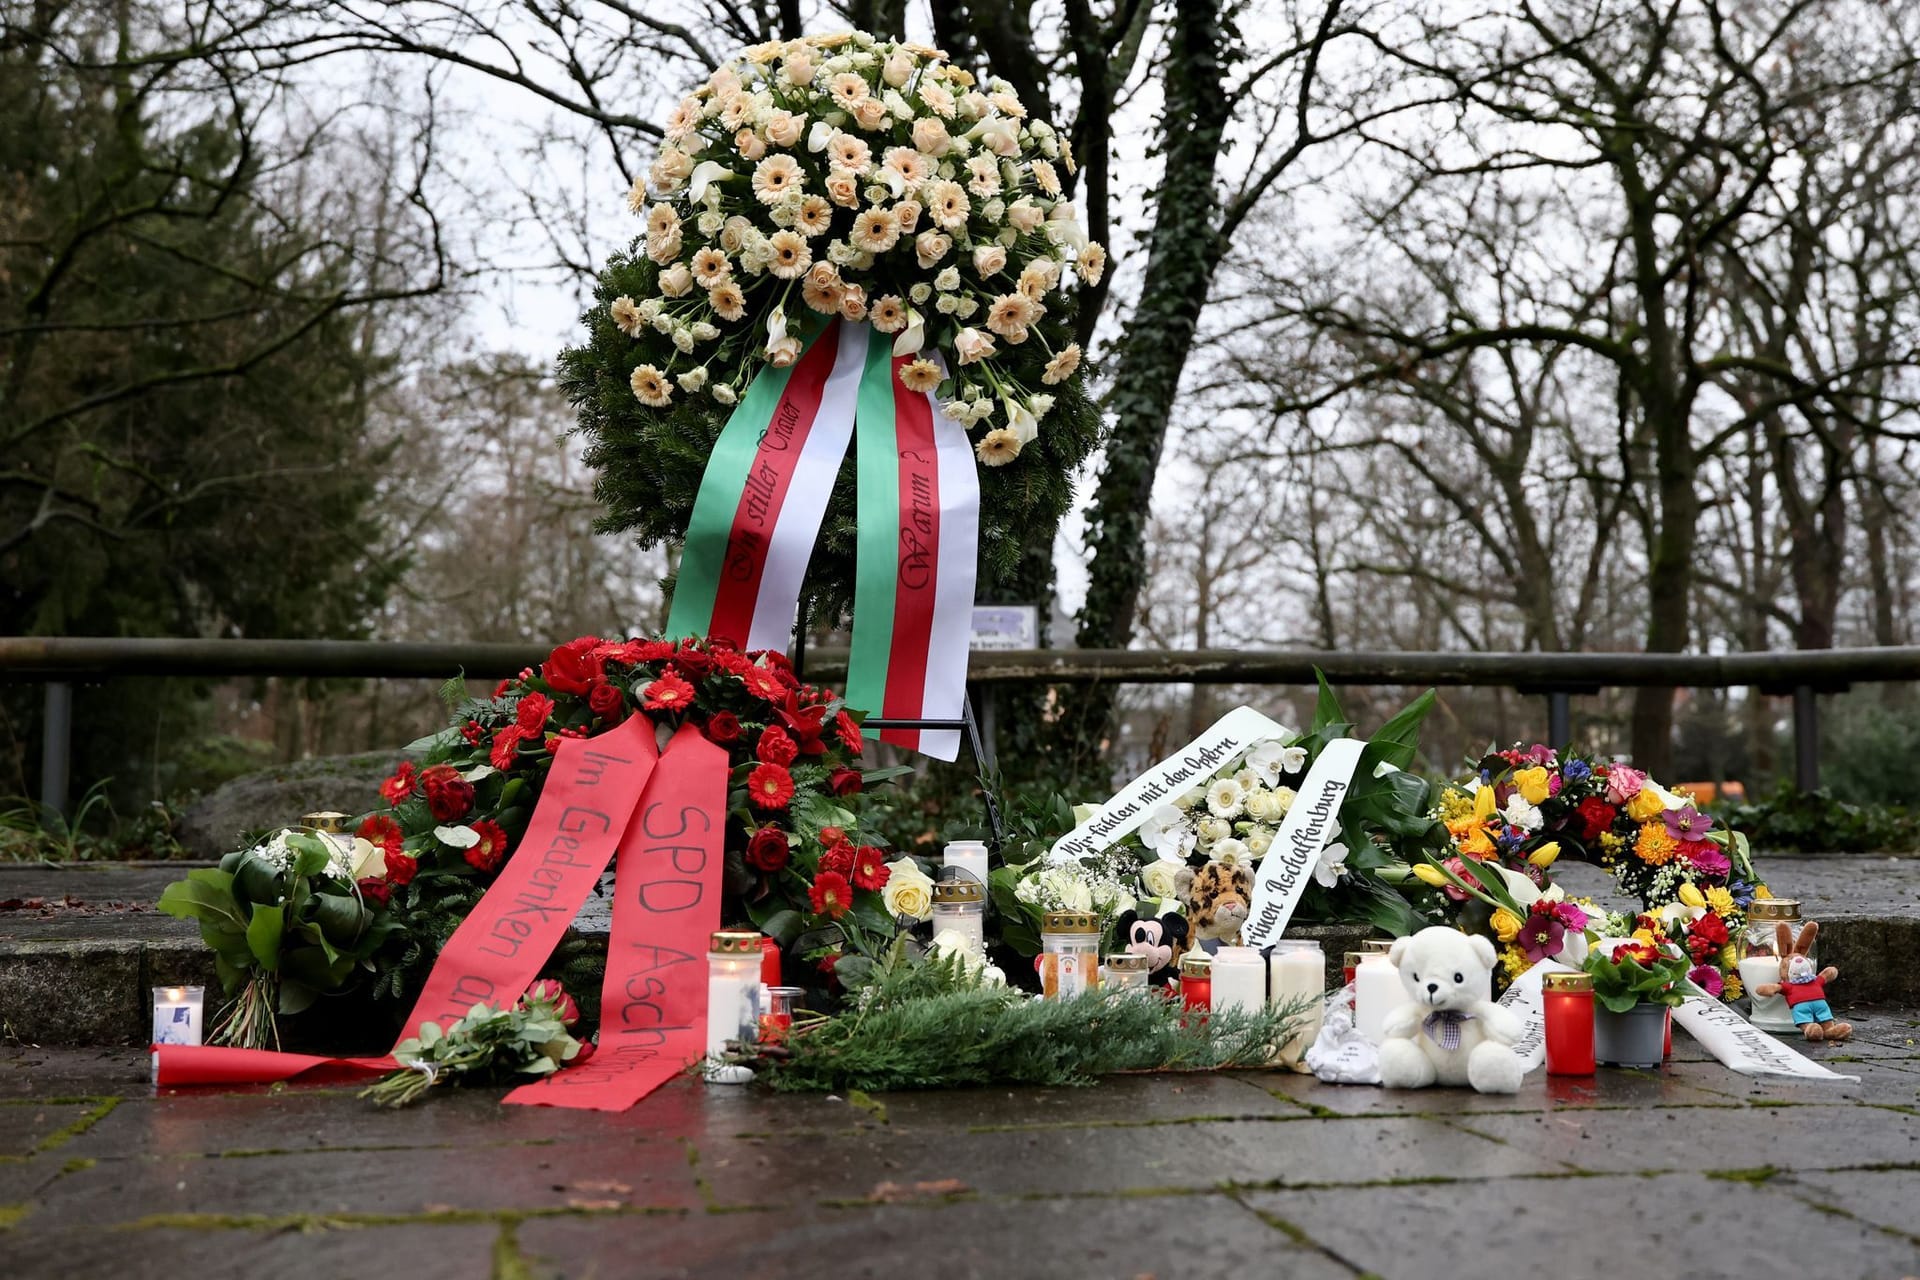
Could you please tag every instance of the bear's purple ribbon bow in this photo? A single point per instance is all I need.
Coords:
(1448, 1023)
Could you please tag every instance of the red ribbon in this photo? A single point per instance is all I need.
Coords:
(666, 815)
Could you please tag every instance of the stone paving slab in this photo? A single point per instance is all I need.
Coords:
(1704, 1171)
(1590, 1229)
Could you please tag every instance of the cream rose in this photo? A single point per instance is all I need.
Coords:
(930, 136)
(989, 259)
(909, 890)
(971, 345)
(784, 128)
(1158, 877)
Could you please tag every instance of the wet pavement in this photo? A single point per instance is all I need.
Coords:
(1689, 1170)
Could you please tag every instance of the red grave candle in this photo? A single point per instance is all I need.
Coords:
(1196, 981)
(1568, 1002)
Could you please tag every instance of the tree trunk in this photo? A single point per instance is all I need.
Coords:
(1183, 252)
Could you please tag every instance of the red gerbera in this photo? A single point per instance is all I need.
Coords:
(382, 830)
(764, 684)
(669, 693)
(831, 895)
(506, 746)
(492, 849)
(399, 788)
(775, 747)
(869, 868)
(531, 715)
(400, 868)
(770, 787)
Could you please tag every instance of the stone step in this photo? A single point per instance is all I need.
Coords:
(81, 946)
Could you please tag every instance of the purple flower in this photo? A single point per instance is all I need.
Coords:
(1541, 936)
(1540, 753)
(1707, 978)
(1708, 859)
(1687, 824)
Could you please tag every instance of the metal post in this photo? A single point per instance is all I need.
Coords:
(1806, 738)
(56, 742)
(1559, 719)
(989, 761)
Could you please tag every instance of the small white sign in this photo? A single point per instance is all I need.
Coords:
(1005, 626)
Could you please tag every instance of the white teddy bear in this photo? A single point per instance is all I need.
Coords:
(1450, 1033)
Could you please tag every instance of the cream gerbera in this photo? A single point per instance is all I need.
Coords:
(849, 154)
(728, 302)
(777, 176)
(1061, 367)
(710, 268)
(790, 256)
(875, 231)
(920, 375)
(650, 387)
(848, 90)
(888, 313)
(947, 204)
(813, 216)
(997, 448)
(625, 316)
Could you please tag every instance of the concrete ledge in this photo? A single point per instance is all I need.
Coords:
(79, 970)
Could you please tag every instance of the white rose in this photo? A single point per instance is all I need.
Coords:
(1259, 840)
(1213, 830)
(909, 890)
(1157, 877)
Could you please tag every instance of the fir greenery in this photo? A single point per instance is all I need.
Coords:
(923, 1025)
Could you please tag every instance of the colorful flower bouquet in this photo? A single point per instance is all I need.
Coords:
(1524, 808)
(1645, 968)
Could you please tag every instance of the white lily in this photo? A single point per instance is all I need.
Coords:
(911, 339)
(705, 174)
(1025, 426)
(820, 135)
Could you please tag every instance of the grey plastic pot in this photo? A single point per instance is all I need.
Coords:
(1635, 1038)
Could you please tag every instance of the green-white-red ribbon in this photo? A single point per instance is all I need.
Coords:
(757, 517)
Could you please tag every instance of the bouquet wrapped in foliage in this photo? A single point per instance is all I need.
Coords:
(869, 181)
(487, 1046)
(796, 863)
(289, 919)
(1232, 818)
(1527, 806)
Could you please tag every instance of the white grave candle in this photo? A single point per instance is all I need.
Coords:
(1239, 979)
(733, 981)
(969, 856)
(177, 1014)
(1376, 993)
(1298, 969)
(1770, 1013)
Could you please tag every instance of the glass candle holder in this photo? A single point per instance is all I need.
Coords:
(1126, 972)
(1761, 962)
(1069, 953)
(1376, 993)
(1196, 980)
(1377, 946)
(1567, 1002)
(333, 826)
(961, 905)
(1350, 964)
(776, 1012)
(733, 985)
(178, 1014)
(969, 856)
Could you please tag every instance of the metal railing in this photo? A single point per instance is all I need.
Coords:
(61, 662)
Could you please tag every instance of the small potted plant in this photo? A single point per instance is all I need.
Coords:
(1636, 981)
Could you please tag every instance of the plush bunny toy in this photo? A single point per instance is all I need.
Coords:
(1805, 990)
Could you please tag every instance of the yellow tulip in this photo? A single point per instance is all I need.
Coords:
(1543, 856)
(1645, 805)
(1484, 804)
(1761, 891)
(1532, 784)
(1692, 896)
(1430, 874)
(1506, 925)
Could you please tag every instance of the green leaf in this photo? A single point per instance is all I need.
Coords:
(296, 997)
(263, 937)
(871, 776)
(311, 854)
(257, 881)
(205, 895)
(1398, 741)
(445, 738)
(1328, 720)
(341, 919)
(782, 926)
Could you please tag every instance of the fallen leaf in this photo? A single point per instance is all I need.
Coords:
(609, 1186)
(894, 1193)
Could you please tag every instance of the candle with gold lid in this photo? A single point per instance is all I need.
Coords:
(733, 982)
(1069, 953)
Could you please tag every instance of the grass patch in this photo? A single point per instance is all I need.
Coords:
(12, 1214)
(1762, 1174)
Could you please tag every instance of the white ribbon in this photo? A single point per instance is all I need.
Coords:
(1743, 1047)
(1194, 763)
(1311, 821)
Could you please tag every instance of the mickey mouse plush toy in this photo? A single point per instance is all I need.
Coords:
(1160, 940)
